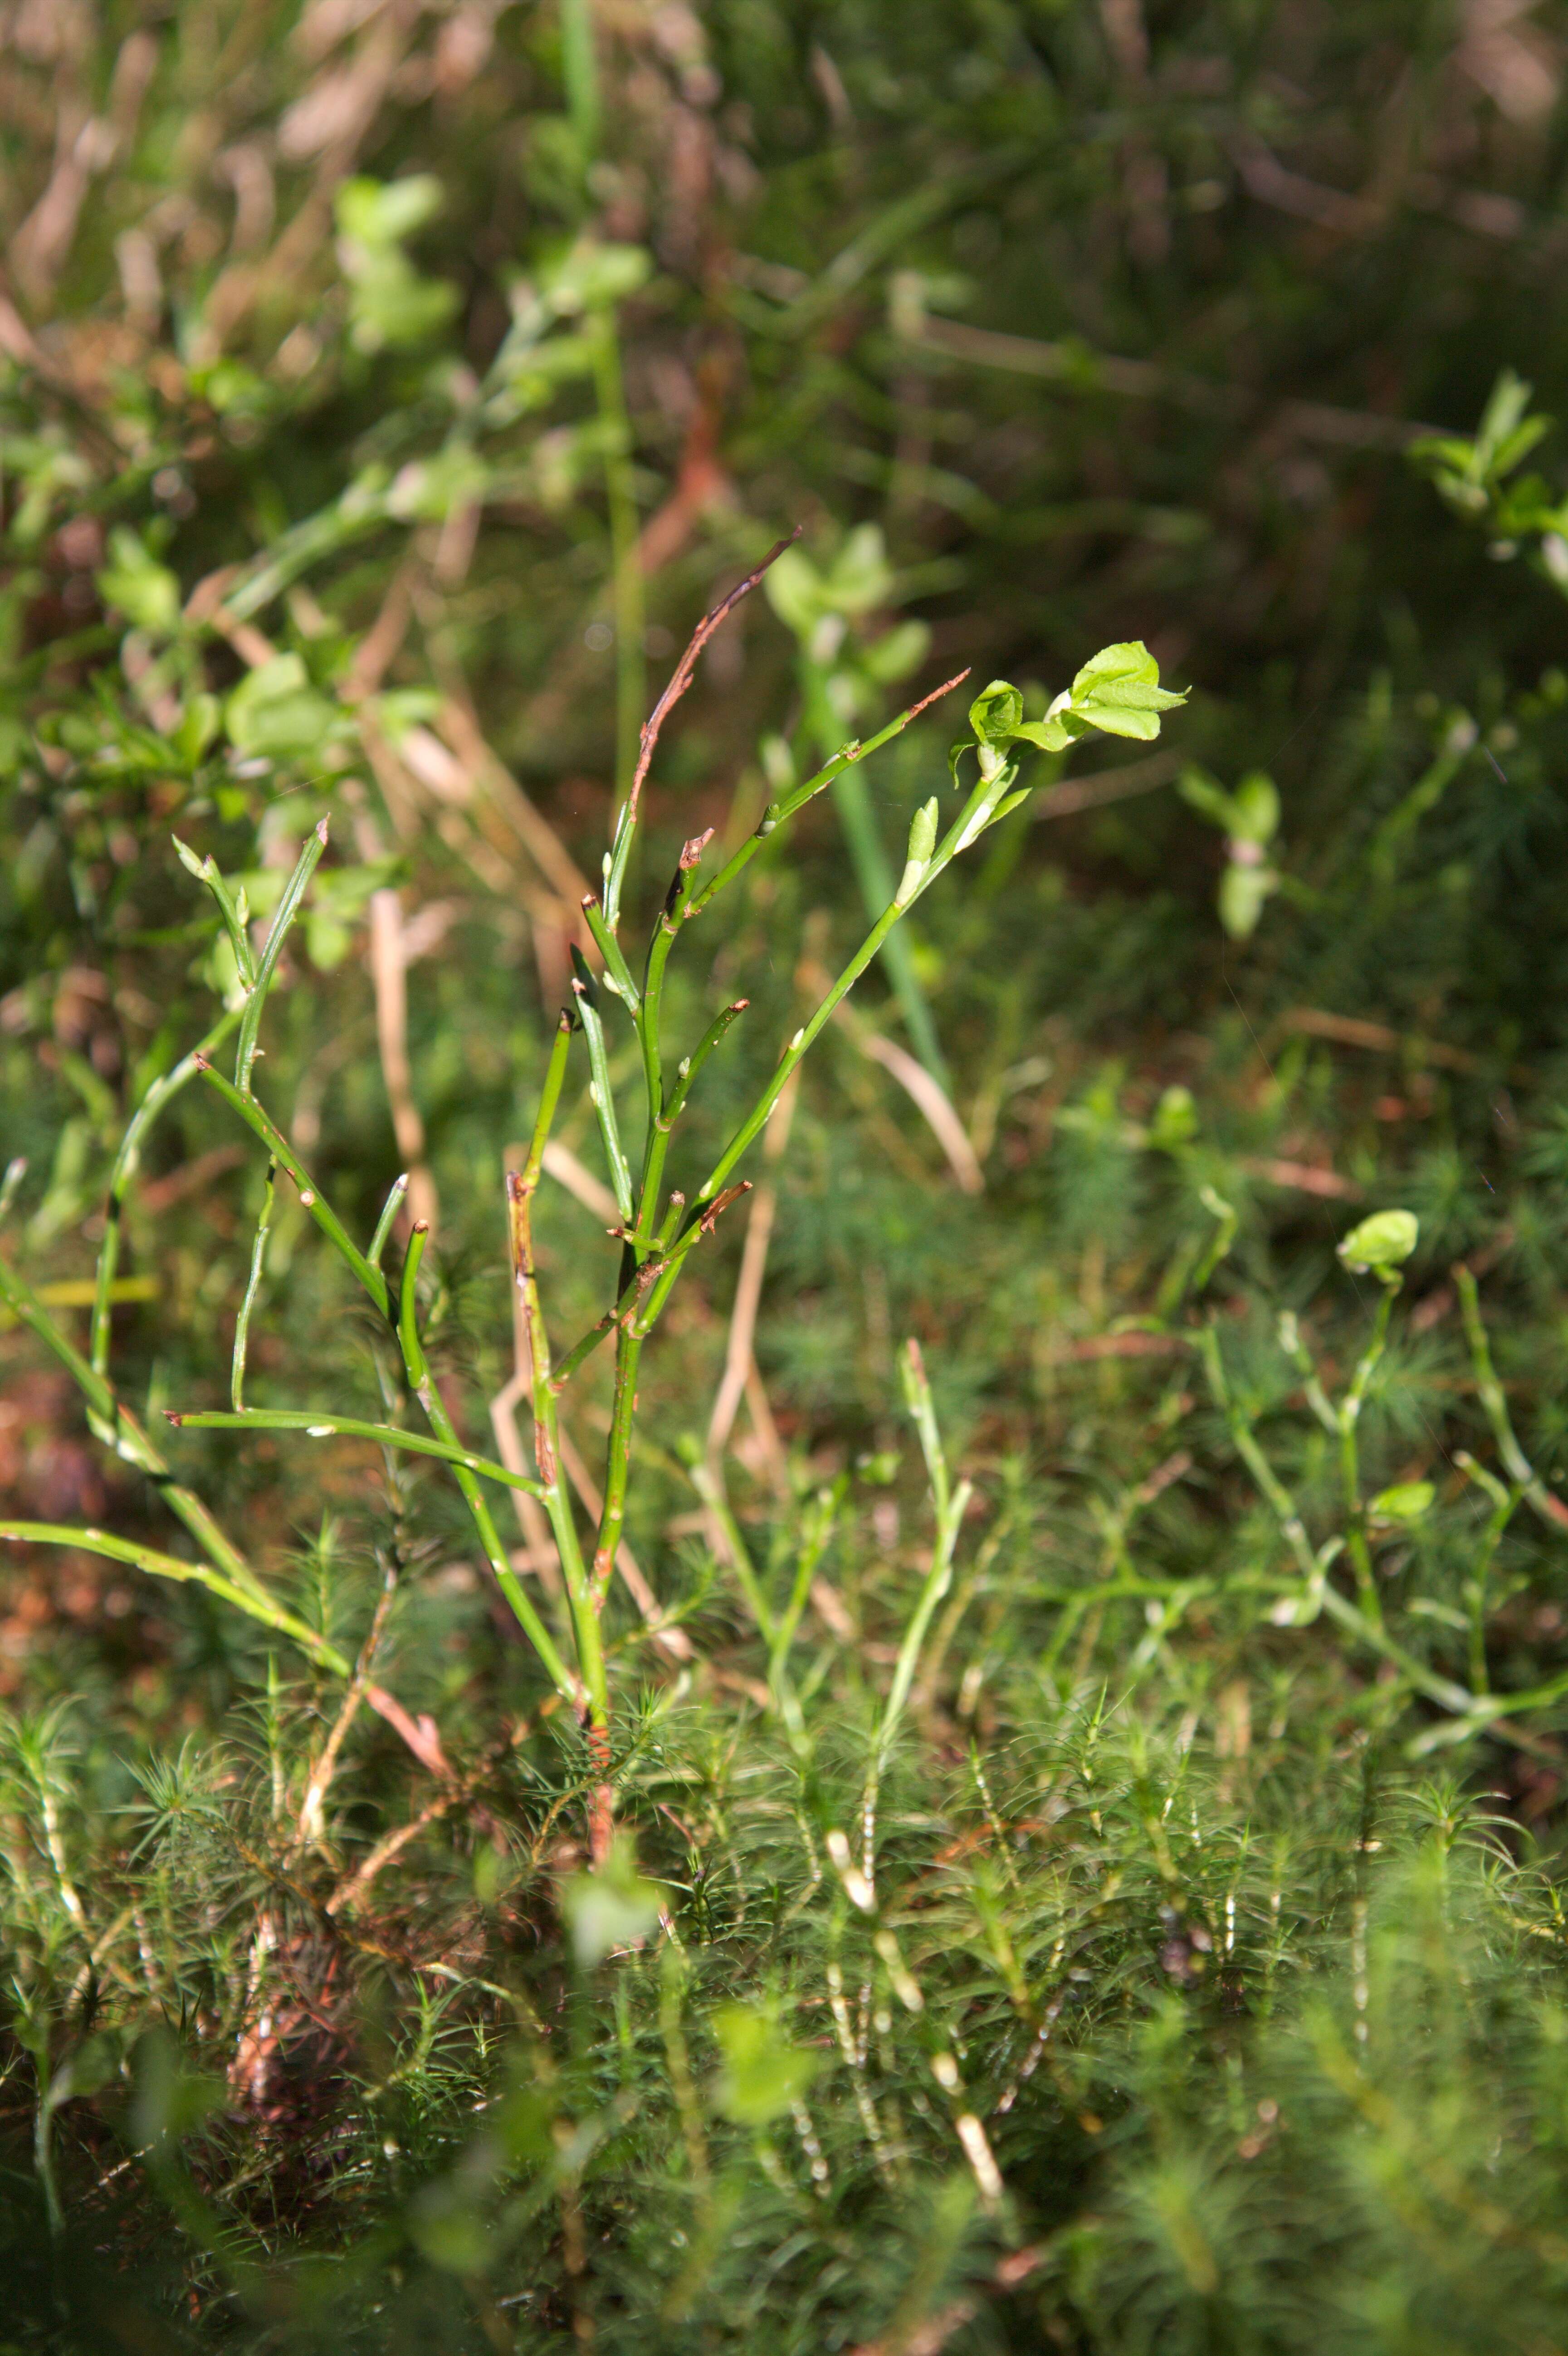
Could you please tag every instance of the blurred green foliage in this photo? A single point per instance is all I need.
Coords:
(386, 391)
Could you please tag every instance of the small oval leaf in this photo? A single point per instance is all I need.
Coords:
(1384, 1241)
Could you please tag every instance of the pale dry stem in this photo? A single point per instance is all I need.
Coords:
(741, 1373)
(313, 1803)
(934, 1105)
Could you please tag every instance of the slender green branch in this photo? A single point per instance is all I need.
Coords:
(232, 914)
(1505, 1504)
(688, 1070)
(1300, 1356)
(1244, 1441)
(325, 1424)
(618, 1458)
(112, 1422)
(816, 1531)
(921, 1407)
(390, 1210)
(579, 71)
(251, 1111)
(441, 1423)
(711, 1492)
(253, 1284)
(585, 992)
(617, 972)
(521, 1188)
(582, 1349)
(643, 1295)
(950, 1504)
(408, 1310)
(869, 857)
(665, 1272)
(664, 1121)
(288, 909)
(756, 1119)
(649, 1018)
(986, 803)
(1382, 851)
(1440, 1689)
(680, 902)
(1349, 1419)
(1495, 1403)
(787, 804)
(1369, 1628)
(127, 1161)
(253, 1600)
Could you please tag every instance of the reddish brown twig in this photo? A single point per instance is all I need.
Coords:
(680, 677)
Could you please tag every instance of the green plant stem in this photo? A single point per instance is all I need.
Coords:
(113, 1422)
(1349, 1417)
(585, 991)
(1495, 1403)
(1497, 1521)
(756, 1119)
(288, 909)
(325, 1424)
(253, 1286)
(618, 973)
(127, 1161)
(580, 73)
(1443, 1691)
(664, 1121)
(711, 1492)
(937, 1582)
(815, 1536)
(659, 1277)
(441, 1423)
(618, 1458)
(650, 1285)
(869, 857)
(984, 805)
(251, 1111)
(950, 1505)
(1440, 1689)
(1384, 850)
(389, 1209)
(521, 1187)
(648, 1015)
(253, 1600)
(874, 873)
(375, 1284)
(690, 1066)
(1244, 1441)
(786, 805)
(1306, 1365)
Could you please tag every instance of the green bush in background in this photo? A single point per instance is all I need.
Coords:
(1162, 1950)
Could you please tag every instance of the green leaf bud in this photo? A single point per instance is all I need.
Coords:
(997, 713)
(921, 843)
(1382, 1242)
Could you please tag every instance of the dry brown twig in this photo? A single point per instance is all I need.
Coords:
(681, 677)
(740, 1358)
(928, 1095)
(540, 1548)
